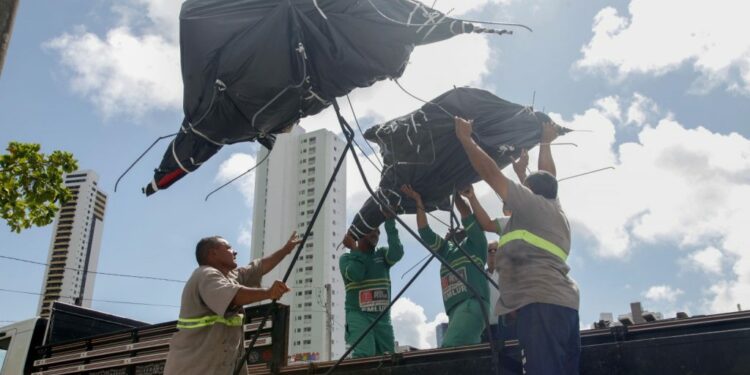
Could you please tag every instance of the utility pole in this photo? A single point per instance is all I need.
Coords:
(7, 16)
(329, 325)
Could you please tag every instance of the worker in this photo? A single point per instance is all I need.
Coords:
(498, 224)
(367, 280)
(531, 259)
(466, 320)
(210, 336)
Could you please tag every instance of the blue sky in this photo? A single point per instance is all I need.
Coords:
(664, 88)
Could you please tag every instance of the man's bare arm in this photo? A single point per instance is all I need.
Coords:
(479, 213)
(247, 295)
(480, 161)
(549, 134)
(268, 263)
(520, 165)
(421, 216)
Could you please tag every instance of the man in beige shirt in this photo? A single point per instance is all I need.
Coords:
(210, 336)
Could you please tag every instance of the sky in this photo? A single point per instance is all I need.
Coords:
(660, 91)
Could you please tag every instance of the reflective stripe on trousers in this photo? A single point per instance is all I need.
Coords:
(534, 240)
(209, 320)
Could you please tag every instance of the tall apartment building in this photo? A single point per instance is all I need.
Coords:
(74, 248)
(288, 187)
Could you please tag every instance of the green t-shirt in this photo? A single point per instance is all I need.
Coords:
(454, 291)
(366, 275)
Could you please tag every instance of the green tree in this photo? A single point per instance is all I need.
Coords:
(31, 185)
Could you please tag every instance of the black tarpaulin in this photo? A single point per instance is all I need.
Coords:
(421, 149)
(253, 68)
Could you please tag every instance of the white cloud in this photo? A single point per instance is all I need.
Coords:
(410, 324)
(610, 107)
(356, 193)
(678, 184)
(235, 165)
(707, 260)
(432, 70)
(122, 73)
(657, 37)
(135, 68)
(641, 110)
(688, 188)
(246, 235)
(663, 293)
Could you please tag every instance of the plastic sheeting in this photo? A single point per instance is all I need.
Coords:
(421, 149)
(253, 68)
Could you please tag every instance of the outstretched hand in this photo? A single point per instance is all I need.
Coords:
(464, 127)
(411, 193)
(468, 193)
(520, 165)
(277, 289)
(349, 241)
(292, 242)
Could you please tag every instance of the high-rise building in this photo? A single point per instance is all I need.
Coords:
(288, 187)
(74, 249)
(440, 333)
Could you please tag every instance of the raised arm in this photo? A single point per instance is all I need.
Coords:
(480, 161)
(272, 260)
(520, 165)
(395, 249)
(421, 216)
(462, 207)
(479, 213)
(549, 134)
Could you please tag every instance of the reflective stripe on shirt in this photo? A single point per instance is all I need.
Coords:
(533, 240)
(368, 284)
(204, 321)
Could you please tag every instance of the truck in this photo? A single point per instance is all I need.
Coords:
(75, 340)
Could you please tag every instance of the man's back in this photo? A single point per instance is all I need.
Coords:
(531, 261)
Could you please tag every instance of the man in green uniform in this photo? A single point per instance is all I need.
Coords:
(366, 273)
(210, 336)
(466, 320)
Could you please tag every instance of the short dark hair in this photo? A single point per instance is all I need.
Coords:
(542, 183)
(204, 246)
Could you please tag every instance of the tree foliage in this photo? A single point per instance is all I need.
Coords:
(31, 184)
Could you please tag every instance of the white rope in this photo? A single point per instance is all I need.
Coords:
(174, 155)
(315, 2)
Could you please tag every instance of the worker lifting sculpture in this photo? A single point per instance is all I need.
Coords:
(366, 273)
(531, 259)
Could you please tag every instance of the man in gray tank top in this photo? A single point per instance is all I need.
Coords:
(531, 260)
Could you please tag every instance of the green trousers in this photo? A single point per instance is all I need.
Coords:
(465, 324)
(378, 341)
